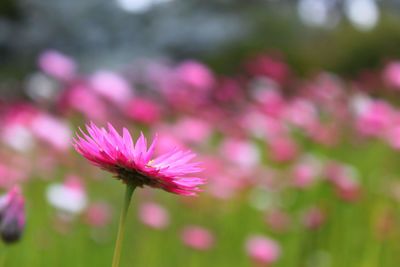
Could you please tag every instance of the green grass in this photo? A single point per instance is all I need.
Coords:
(348, 238)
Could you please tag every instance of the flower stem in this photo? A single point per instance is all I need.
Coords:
(121, 227)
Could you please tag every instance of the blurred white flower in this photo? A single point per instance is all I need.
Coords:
(69, 197)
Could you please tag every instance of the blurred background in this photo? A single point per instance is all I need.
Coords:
(291, 105)
(358, 34)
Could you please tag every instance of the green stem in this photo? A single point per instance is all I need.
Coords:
(121, 227)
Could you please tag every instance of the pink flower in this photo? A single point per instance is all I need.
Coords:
(240, 152)
(52, 130)
(269, 65)
(79, 98)
(306, 172)
(195, 75)
(143, 110)
(303, 176)
(345, 180)
(262, 250)
(375, 118)
(263, 126)
(154, 215)
(57, 65)
(391, 74)
(348, 188)
(192, 130)
(301, 113)
(98, 214)
(278, 220)
(313, 218)
(228, 90)
(325, 134)
(225, 185)
(197, 237)
(132, 163)
(393, 136)
(12, 215)
(111, 86)
(283, 149)
(11, 175)
(271, 101)
(167, 141)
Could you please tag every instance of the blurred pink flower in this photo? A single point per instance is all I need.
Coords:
(393, 136)
(153, 215)
(225, 185)
(391, 74)
(271, 102)
(132, 163)
(326, 90)
(222, 182)
(348, 188)
(57, 65)
(278, 220)
(228, 90)
(313, 218)
(345, 180)
(12, 215)
(11, 175)
(303, 176)
(98, 214)
(143, 110)
(262, 250)
(241, 152)
(283, 149)
(196, 75)
(306, 172)
(375, 118)
(192, 130)
(16, 122)
(167, 141)
(325, 134)
(79, 98)
(52, 130)
(301, 113)
(111, 86)
(197, 237)
(185, 86)
(270, 66)
(261, 125)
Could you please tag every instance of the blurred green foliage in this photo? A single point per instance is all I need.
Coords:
(342, 50)
(9, 9)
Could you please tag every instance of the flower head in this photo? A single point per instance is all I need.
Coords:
(12, 215)
(133, 164)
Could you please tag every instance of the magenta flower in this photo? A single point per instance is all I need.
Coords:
(132, 163)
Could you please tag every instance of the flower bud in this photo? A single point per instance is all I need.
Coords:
(12, 215)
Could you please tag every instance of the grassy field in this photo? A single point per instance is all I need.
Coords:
(363, 233)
